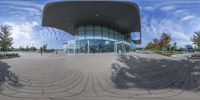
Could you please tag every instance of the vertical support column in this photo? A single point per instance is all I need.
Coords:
(88, 42)
(76, 39)
(115, 47)
(123, 47)
(101, 40)
(68, 48)
(74, 47)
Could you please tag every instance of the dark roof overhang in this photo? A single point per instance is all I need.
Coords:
(123, 16)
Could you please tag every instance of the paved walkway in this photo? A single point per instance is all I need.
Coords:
(100, 76)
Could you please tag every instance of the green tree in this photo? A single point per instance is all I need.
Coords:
(196, 39)
(5, 37)
(33, 48)
(45, 47)
(150, 46)
(165, 41)
(156, 42)
(41, 50)
(181, 49)
(27, 48)
(154, 45)
(175, 46)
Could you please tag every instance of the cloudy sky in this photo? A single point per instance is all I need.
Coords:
(179, 18)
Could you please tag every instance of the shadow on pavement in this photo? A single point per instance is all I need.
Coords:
(7, 76)
(154, 74)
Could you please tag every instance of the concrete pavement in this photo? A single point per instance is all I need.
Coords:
(99, 76)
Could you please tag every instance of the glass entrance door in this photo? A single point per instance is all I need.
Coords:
(119, 47)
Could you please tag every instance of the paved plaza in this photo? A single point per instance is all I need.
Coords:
(131, 76)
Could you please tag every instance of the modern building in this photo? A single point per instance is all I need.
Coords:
(97, 26)
(189, 48)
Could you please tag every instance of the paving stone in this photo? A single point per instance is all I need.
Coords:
(78, 78)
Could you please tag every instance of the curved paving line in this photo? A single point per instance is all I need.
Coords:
(27, 87)
(93, 83)
(19, 91)
(186, 81)
(76, 83)
(11, 96)
(81, 91)
(109, 82)
(133, 94)
(100, 84)
(30, 81)
(180, 77)
(39, 84)
(40, 93)
(71, 80)
(77, 80)
(76, 73)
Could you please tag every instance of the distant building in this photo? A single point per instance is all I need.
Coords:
(189, 48)
(98, 26)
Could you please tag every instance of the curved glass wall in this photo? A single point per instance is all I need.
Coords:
(99, 39)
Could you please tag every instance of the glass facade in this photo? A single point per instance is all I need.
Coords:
(97, 39)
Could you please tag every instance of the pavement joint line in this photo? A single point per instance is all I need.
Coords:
(172, 80)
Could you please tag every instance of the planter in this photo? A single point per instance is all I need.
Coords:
(194, 57)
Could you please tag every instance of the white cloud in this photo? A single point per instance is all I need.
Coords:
(22, 11)
(22, 33)
(149, 8)
(153, 25)
(188, 17)
(156, 27)
(23, 17)
(167, 8)
(180, 36)
(183, 15)
(181, 12)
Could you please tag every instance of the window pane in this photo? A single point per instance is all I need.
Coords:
(82, 46)
(120, 36)
(89, 28)
(81, 35)
(104, 29)
(117, 35)
(112, 34)
(97, 35)
(123, 37)
(105, 35)
(81, 28)
(89, 34)
(97, 28)
(135, 36)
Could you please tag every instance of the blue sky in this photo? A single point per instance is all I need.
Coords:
(179, 18)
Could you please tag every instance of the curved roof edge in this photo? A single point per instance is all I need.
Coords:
(53, 23)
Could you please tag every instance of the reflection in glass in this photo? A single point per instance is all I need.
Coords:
(98, 39)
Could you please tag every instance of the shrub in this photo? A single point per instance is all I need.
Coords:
(9, 54)
(12, 54)
(167, 53)
(196, 55)
(50, 50)
(179, 52)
